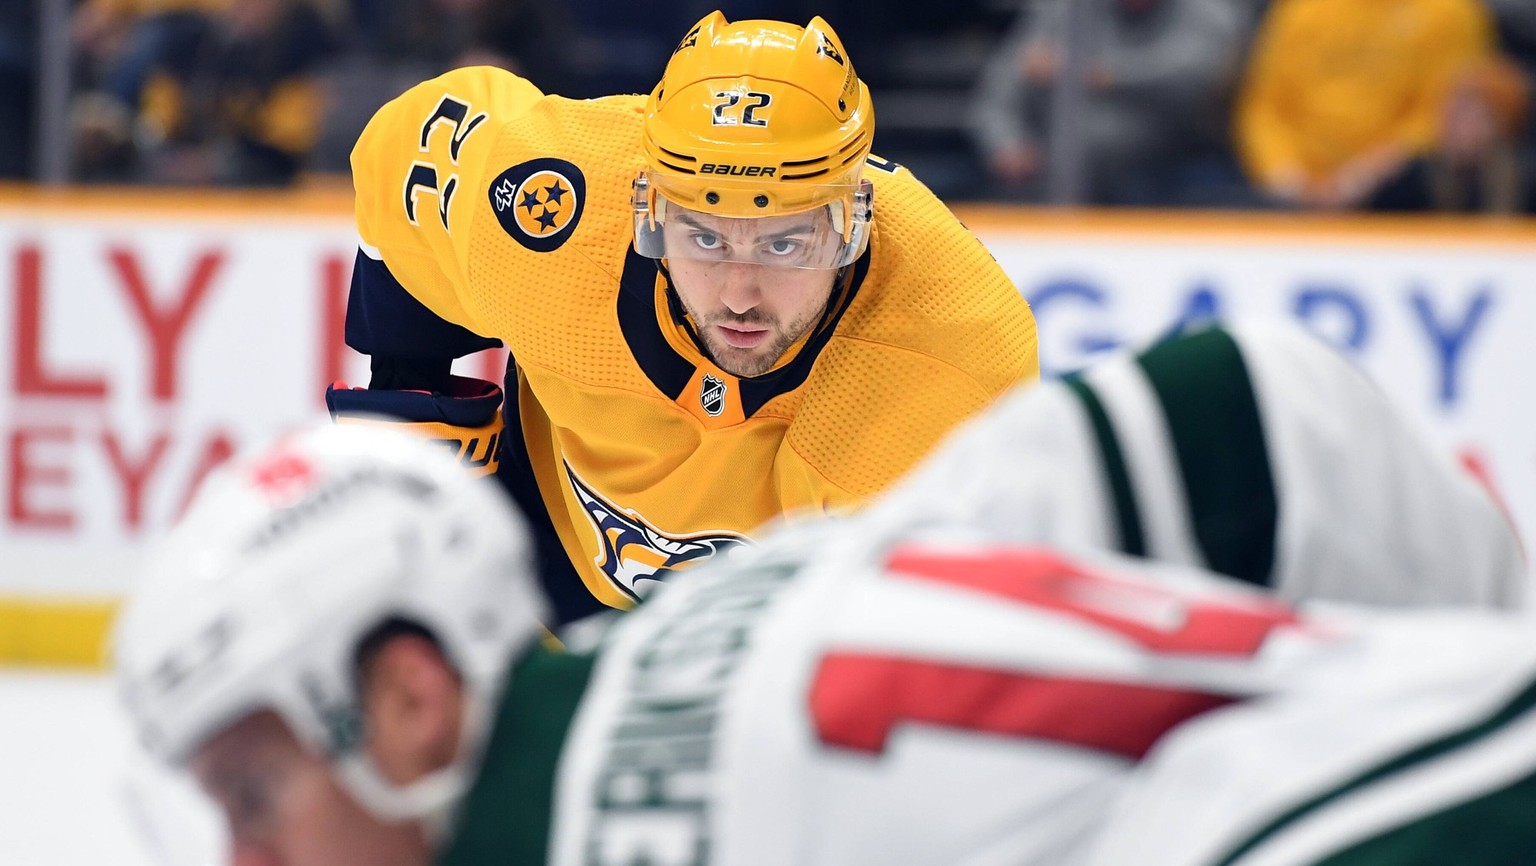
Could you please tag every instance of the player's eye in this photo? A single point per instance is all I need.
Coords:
(784, 247)
(706, 240)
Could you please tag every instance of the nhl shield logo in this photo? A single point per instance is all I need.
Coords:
(712, 395)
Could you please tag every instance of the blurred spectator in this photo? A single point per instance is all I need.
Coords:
(1158, 76)
(1516, 21)
(393, 44)
(126, 39)
(575, 48)
(1475, 164)
(211, 95)
(18, 86)
(1344, 98)
(117, 45)
(530, 37)
(621, 46)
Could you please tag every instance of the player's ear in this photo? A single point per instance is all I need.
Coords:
(413, 705)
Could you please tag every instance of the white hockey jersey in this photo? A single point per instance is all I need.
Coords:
(815, 702)
(1255, 452)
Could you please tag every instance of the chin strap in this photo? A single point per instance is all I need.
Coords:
(432, 800)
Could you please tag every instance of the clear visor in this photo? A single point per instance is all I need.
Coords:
(828, 236)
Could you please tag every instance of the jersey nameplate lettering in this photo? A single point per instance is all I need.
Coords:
(653, 793)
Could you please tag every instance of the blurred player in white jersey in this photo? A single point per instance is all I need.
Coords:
(1256, 452)
(342, 643)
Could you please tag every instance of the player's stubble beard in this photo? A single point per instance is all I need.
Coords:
(756, 361)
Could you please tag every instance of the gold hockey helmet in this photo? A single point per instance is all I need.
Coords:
(758, 118)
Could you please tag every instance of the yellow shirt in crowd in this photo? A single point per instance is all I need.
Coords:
(1333, 80)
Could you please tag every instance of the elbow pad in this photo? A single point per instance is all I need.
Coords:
(466, 419)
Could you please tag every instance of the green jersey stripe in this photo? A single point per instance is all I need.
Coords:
(1517, 795)
(1127, 514)
(1494, 828)
(506, 816)
(1203, 385)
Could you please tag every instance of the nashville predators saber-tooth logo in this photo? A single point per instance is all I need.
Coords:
(633, 550)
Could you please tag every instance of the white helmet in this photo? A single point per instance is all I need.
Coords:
(259, 598)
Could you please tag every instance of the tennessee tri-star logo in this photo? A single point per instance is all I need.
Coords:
(544, 202)
(634, 551)
(539, 202)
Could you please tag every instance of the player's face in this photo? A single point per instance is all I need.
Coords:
(740, 282)
(284, 808)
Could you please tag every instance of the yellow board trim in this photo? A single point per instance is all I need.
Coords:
(1285, 229)
(321, 199)
(55, 633)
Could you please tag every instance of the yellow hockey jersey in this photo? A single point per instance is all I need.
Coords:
(505, 215)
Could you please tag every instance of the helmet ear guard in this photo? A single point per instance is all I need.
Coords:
(649, 215)
(854, 216)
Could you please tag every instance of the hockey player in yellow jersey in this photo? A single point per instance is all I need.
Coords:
(720, 306)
